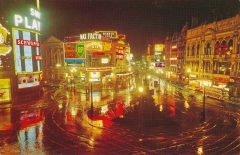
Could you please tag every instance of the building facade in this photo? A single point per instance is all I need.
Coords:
(52, 60)
(175, 48)
(88, 58)
(213, 55)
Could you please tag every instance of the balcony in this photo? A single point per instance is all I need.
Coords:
(209, 57)
(219, 57)
(237, 56)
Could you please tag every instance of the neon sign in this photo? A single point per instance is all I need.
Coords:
(108, 34)
(27, 42)
(28, 22)
(91, 45)
(90, 36)
(4, 49)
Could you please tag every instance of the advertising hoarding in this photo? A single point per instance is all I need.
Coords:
(26, 51)
(74, 54)
(5, 90)
(159, 47)
(4, 48)
(28, 80)
(26, 46)
(160, 64)
(74, 50)
(108, 34)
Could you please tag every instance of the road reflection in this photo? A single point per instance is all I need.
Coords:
(65, 125)
(104, 115)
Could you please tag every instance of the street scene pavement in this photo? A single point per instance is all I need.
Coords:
(61, 122)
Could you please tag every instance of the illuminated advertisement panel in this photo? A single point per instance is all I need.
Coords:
(74, 54)
(27, 51)
(75, 62)
(28, 80)
(74, 50)
(158, 47)
(5, 90)
(98, 46)
(26, 17)
(100, 59)
(4, 48)
(26, 45)
(160, 64)
(108, 34)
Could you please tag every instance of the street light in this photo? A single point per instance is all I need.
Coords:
(204, 103)
(91, 102)
(73, 71)
(140, 89)
(188, 71)
(57, 79)
(148, 81)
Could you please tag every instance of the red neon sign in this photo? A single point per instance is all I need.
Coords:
(22, 42)
(37, 57)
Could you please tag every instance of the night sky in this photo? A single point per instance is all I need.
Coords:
(142, 21)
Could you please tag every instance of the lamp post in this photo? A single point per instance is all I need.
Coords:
(188, 71)
(91, 101)
(148, 81)
(140, 89)
(204, 103)
(57, 69)
(73, 71)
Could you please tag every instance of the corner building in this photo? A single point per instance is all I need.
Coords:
(213, 56)
(97, 59)
(20, 57)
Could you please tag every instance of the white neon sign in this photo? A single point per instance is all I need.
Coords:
(31, 23)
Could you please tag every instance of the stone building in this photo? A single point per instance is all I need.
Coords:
(175, 56)
(52, 60)
(213, 56)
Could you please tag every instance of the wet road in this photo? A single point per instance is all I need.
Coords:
(62, 126)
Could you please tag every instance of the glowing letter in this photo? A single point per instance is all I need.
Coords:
(26, 23)
(18, 19)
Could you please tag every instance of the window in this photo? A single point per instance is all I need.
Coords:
(198, 49)
(208, 49)
(217, 48)
(238, 50)
(193, 52)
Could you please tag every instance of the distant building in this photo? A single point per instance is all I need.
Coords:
(175, 56)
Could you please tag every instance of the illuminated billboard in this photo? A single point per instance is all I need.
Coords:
(160, 64)
(26, 28)
(4, 48)
(27, 18)
(108, 34)
(74, 54)
(74, 50)
(5, 90)
(28, 80)
(159, 47)
(100, 59)
(26, 51)
(98, 46)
